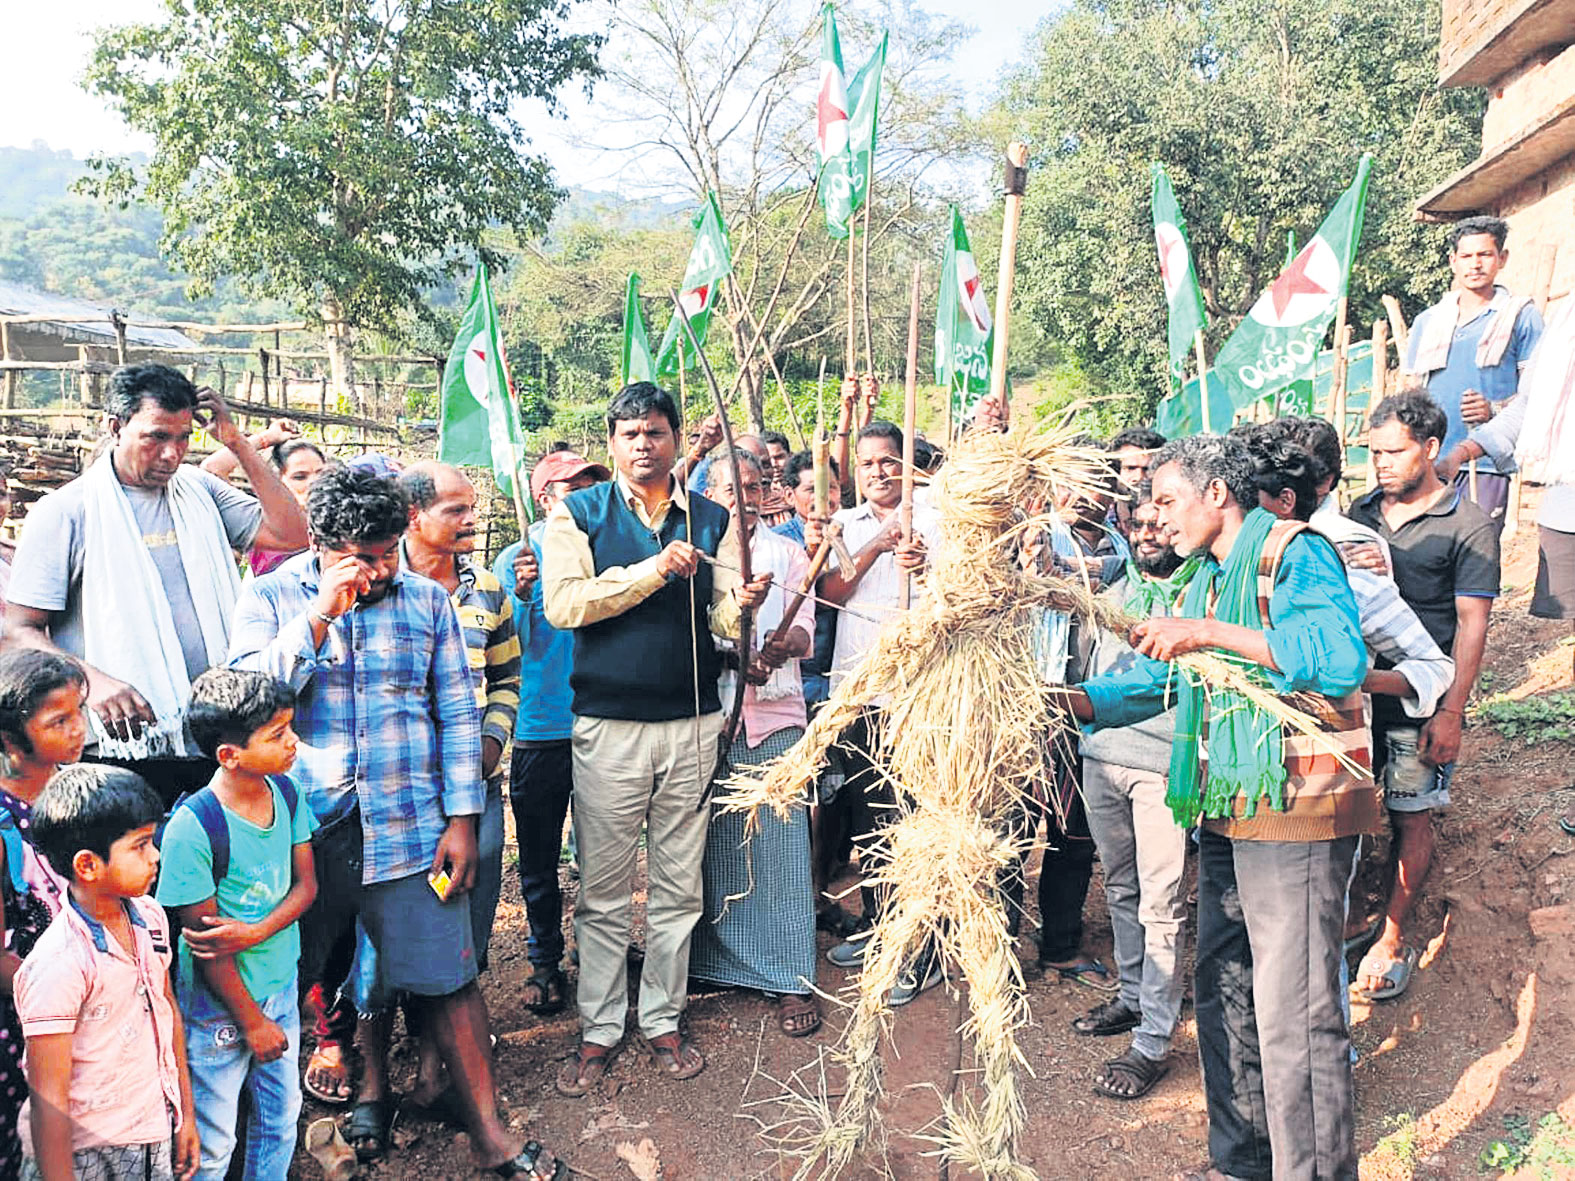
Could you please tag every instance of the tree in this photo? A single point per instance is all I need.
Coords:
(720, 96)
(342, 156)
(1259, 111)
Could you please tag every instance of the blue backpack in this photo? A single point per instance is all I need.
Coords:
(210, 814)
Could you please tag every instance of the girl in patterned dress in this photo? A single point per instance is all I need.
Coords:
(41, 726)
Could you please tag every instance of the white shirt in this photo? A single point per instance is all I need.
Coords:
(878, 594)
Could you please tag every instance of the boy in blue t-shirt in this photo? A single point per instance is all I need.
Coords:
(237, 868)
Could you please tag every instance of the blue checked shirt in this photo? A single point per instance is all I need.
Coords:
(385, 710)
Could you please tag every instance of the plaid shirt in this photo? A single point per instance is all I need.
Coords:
(486, 617)
(385, 709)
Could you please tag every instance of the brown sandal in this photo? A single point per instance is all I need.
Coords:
(797, 1015)
(581, 1073)
(676, 1055)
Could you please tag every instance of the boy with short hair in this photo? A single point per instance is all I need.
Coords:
(109, 1092)
(238, 872)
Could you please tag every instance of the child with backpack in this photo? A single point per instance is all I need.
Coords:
(41, 727)
(109, 1094)
(238, 872)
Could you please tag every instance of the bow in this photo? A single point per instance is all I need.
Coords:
(745, 615)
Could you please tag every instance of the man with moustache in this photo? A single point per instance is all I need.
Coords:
(625, 567)
(390, 740)
(1141, 847)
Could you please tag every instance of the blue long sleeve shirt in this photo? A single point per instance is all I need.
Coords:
(385, 708)
(1314, 633)
(546, 656)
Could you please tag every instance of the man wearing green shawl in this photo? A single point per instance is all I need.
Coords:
(1279, 816)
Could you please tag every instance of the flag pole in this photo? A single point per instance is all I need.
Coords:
(851, 369)
(1016, 182)
(1203, 381)
(910, 401)
(521, 516)
(869, 187)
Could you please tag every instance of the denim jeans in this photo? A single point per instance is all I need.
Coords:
(222, 1064)
(541, 780)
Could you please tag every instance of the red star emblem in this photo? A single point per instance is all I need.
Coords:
(826, 110)
(1294, 280)
(480, 353)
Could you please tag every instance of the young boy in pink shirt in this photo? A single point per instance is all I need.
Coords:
(109, 1092)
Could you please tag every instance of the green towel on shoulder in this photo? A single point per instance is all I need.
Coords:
(1244, 756)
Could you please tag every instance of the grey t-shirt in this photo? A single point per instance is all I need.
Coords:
(47, 572)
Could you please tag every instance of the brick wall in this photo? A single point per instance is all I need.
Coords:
(1466, 24)
(1527, 94)
(1540, 213)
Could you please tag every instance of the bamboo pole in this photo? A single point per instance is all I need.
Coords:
(864, 252)
(1016, 181)
(910, 403)
(1203, 381)
(1376, 395)
(851, 368)
(13, 379)
(1337, 395)
(1397, 327)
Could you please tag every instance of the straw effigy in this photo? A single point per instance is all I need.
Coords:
(967, 735)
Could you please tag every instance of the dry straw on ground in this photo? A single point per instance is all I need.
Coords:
(966, 734)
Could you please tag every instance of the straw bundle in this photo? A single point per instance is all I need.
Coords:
(966, 735)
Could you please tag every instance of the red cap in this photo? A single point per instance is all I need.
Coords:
(559, 466)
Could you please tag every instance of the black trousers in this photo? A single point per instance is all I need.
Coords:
(541, 781)
(1064, 875)
(870, 801)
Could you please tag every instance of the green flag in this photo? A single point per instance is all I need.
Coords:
(964, 336)
(637, 362)
(479, 425)
(863, 114)
(1187, 317)
(710, 261)
(1276, 346)
(832, 131)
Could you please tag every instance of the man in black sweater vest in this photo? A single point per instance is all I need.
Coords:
(622, 566)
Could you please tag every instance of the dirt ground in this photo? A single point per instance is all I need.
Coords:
(1478, 1051)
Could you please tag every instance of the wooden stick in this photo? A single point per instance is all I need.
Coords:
(910, 404)
(864, 266)
(1377, 394)
(1016, 182)
(1203, 381)
(816, 565)
(1342, 360)
(1397, 327)
(851, 367)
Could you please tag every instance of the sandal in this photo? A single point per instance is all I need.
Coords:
(1107, 1020)
(371, 1122)
(326, 1145)
(1567, 826)
(797, 1015)
(1088, 972)
(581, 1073)
(1394, 973)
(1131, 1076)
(676, 1055)
(527, 1163)
(550, 987)
(317, 1069)
(1363, 939)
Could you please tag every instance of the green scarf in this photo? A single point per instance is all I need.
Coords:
(1245, 755)
(1148, 596)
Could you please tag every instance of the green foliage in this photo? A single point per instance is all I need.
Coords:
(1399, 1141)
(347, 157)
(1259, 112)
(1548, 1150)
(1536, 719)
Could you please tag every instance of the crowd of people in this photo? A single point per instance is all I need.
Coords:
(244, 814)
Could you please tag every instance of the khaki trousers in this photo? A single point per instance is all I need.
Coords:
(627, 774)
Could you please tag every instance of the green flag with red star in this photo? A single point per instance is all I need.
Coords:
(1276, 346)
(710, 261)
(1185, 300)
(963, 335)
(480, 425)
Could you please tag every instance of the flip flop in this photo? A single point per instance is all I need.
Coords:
(1090, 973)
(1567, 826)
(1395, 973)
(371, 1128)
(326, 1145)
(672, 1054)
(327, 1098)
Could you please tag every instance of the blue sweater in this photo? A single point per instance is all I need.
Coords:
(546, 656)
(639, 666)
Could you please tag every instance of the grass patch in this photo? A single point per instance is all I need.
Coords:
(1398, 1145)
(1549, 718)
(1547, 1149)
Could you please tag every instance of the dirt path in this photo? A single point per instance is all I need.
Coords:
(1484, 1040)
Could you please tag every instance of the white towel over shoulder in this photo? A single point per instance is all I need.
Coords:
(128, 628)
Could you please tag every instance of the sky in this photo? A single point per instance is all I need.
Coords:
(47, 47)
